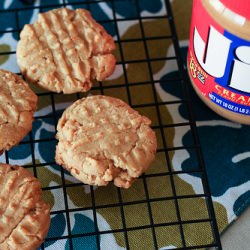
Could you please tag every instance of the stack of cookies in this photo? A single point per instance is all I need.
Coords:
(101, 139)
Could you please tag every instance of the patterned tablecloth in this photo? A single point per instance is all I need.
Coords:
(225, 144)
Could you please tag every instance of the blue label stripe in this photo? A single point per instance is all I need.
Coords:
(226, 104)
(236, 42)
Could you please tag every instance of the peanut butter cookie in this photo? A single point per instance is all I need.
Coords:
(24, 216)
(65, 50)
(17, 106)
(102, 139)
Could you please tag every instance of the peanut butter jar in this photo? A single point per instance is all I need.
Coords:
(219, 56)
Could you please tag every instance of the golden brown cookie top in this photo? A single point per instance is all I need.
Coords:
(17, 106)
(24, 216)
(65, 50)
(103, 139)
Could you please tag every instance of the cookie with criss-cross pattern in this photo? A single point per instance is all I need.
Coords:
(17, 106)
(102, 139)
(24, 216)
(65, 50)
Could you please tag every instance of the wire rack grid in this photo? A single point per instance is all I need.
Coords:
(125, 89)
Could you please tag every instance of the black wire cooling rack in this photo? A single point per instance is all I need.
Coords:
(180, 223)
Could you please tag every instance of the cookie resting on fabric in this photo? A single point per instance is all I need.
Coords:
(102, 139)
(24, 216)
(17, 106)
(65, 50)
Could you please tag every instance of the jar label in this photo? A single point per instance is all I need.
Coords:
(219, 62)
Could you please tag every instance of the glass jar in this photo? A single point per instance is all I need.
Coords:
(219, 56)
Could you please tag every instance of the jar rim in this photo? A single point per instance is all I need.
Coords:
(241, 7)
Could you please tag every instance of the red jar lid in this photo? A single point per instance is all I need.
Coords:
(241, 7)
